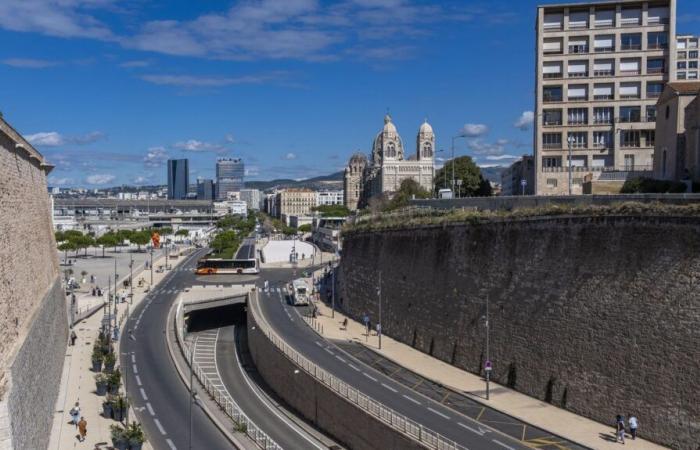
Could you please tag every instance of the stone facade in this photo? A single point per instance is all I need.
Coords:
(33, 317)
(598, 315)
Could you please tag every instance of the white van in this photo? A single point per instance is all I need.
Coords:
(300, 292)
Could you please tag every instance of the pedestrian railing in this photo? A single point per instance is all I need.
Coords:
(222, 396)
(393, 419)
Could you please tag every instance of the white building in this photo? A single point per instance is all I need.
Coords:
(253, 197)
(329, 198)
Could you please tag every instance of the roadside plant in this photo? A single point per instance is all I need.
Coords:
(109, 361)
(135, 435)
(97, 358)
(101, 384)
(120, 439)
(114, 380)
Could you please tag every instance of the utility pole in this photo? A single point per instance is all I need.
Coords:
(333, 292)
(191, 395)
(151, 267)
(453, 164)
(109, 307)
(488, 354)
(379, 325)
(570, 140)
(131, 280)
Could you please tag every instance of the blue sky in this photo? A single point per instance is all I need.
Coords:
(107, 90)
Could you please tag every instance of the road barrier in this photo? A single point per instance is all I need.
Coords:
(221, 396)
(393, 419)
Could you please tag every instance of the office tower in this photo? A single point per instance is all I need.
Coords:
(205, 189)
(178, 179)
(229, 176)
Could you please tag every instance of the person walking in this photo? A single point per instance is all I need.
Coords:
(620, 428)
(73, 337)
(633, 423)
(75, 414)
(82, 429)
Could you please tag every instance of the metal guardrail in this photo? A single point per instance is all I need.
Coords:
(393, 419)
(221, 396)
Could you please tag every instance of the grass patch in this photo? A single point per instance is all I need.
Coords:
(226, 253)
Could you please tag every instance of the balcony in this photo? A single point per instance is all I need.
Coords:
(552, 98)
(578, 74)
(577, 122)
(578, 49)
(655, 70)
(552, 76)
(653, 94)
(578, 99)
(656, 46)
(552, 146)
(603, 73)
(552, 123)
(630, 97)
(604, 97)
(604, 49)
(626, 47)
(602, 121)
(628, 73)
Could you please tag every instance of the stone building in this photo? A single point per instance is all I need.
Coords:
(294, 202)
(389, 165)
(513, 176)
(674, 159)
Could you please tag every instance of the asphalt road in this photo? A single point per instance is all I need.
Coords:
(246, 250)
(152, 382)
(285, 319)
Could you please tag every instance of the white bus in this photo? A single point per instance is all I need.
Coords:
(300, 293)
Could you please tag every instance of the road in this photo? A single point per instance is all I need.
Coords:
(154, 386)
(286, 320)
(246, 250)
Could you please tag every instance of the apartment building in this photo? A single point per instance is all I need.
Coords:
(518, 178)
(687, 58)
(600, 68)
(294, 202)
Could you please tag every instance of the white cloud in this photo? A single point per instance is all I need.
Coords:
(252, 171)
(142, 179)
(55, 139)
(60, 181)
(99, 179)
(525, 120)
(155, 157)
(500, 157)
(29, 63)
(135, 63)
(290, 156)
(482, 148)
(207, 81)
(229, 138)
(193, 145)
(474, 130)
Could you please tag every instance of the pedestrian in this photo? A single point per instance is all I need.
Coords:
(633, 423)
(620, 428)
(82, 428)
(73, 337)
(75, 414)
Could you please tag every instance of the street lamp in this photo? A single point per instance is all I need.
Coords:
(570, 140)
(379, 325)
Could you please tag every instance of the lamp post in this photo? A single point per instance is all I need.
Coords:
(332, 292)
(131, 280)
(151, 266)
(570, 141)
(488, 354)
(379, 324)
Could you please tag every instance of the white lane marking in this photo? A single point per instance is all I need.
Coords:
(319, 344)
(136, 369)
(502, 444)
(170, 444)
(479, 432)
(341, 359)
(160, 427)
(390, 388)
(438, 413)
(369, 376)
(143, 394)
(353, 367)
(150, 409)
(133, 359)
(411, 399)
(328, 350)
(138, 381)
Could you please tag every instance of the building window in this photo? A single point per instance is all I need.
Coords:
(692, 75)
(552, 117)
(668, 111)
(604, 67)
(692, 64)
(578, 69)
(629, 162)
(682, 55)
(630, 138)
(551, 140)
(577, 116)
(630, 66)
(553, 21)
(631, 41)
(552, 94)
(649, 138)
(603, 115)
(693, 54)
(657, 40)
(604, 91)
(578, 139)
(604, 18)
(629, 90)
(427, 150)
(552, 69)
(578, 19)
(651, 113)
(681, 65)
(551, 182)
(630, 114)
(602, 139)
(657, 15)
(552, 46)
(604, 43)
(578, 44)
(681, 76)
(654, 89)
(577, 92)
(656, 65)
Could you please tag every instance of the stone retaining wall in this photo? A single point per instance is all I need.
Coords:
(599, 315)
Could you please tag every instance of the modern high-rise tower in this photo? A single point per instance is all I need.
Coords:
(229, 176)
(178, 179)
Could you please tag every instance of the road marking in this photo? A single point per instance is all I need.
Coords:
(170, 444)
(319, 344)
(369, 376)
(353, 367)
(329, 351)
(411, 399)
(143, 394)
(341, 359)
(438, 413)
(502, 444)
(133, 359)
(138, 381)
(150, 409)
(390, 388)
(160, 427)
(136, 369)
(479, 432)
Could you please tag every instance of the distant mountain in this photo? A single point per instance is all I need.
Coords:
(332, 181)
(493, 173)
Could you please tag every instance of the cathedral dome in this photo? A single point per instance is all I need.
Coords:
(426, 128)
(389, 126)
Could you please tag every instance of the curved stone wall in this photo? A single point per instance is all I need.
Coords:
(599, 315)
(33, 317)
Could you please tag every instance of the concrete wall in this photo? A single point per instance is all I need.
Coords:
(348, 425)
(599, 315)
(33, 318)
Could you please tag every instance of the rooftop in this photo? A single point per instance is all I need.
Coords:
(594, 3)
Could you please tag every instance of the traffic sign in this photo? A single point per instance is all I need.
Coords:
(488, 366)
(523, 182)
(365, 319)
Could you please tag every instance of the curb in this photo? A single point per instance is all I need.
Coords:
(168, 339)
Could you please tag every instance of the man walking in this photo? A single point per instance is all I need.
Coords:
(73, 337)
(620, 428)
(633, 423)
(75, 414)
(82, 429)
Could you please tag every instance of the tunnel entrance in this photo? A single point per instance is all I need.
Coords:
(218, 317)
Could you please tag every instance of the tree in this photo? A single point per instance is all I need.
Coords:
(60, 237)
(67, 246)
(473, 182)
(124, 235)
(182, 232)
(107, 240)
(306, 228)
(140, 238)
(83, 241)
(409, 189)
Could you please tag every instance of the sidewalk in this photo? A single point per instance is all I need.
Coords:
(77, 380)
(535, 412)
